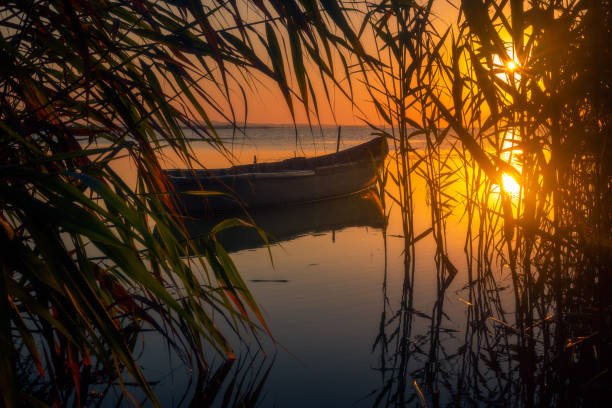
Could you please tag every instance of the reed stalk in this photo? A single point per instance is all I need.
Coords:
(507, 94)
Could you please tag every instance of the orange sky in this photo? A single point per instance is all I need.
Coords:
(265, 103)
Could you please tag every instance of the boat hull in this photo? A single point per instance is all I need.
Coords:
(279, 184)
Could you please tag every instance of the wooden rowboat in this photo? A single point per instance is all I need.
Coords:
(291, 181)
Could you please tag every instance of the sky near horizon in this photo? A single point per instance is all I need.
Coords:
(265, 103)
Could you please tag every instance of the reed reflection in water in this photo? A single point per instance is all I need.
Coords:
(508, 323)
(322, 299)
(421, 308)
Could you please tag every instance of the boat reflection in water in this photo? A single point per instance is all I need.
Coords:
(289, 222)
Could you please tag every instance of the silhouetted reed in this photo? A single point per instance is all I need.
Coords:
(504, 118)
(516, 138)
(83, 84)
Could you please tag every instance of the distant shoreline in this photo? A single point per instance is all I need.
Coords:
(219, 125)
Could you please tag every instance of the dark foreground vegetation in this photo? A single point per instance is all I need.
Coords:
(514, 103)
(83, 83)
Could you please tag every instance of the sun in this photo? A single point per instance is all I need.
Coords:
(510, 186)
(507, 66)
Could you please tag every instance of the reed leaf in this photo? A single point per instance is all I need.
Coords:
(85, 254)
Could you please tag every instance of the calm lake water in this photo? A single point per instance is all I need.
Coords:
(354, 326)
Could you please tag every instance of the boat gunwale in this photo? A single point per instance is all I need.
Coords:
(309, 165)
(272, 175)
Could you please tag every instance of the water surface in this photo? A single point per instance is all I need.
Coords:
(354, 324)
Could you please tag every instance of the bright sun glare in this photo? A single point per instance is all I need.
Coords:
(510, 185)
(508, 67)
